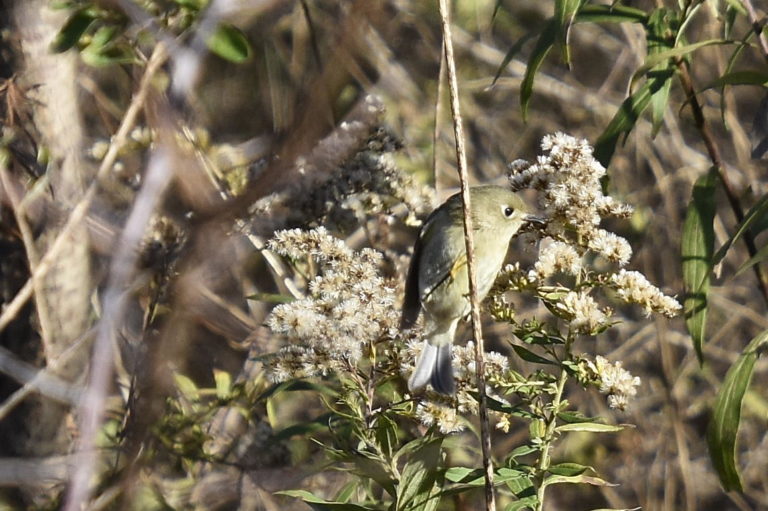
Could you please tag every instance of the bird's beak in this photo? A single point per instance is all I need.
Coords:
(534, 221)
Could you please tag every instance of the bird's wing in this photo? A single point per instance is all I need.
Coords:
(412, 300)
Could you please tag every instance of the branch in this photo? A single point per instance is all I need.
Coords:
(717, 163)
(453, 88)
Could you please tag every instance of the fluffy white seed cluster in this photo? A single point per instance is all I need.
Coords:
(615, 381)
(444, 417)
(556, 257)
(568, 178)
(633, 287)
(348, 306)
(586, 316)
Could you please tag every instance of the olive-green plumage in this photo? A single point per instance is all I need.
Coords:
(437, 279)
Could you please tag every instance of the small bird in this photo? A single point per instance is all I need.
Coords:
(437, 279)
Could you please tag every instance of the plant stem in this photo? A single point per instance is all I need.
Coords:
(549, 434)
(453, 88)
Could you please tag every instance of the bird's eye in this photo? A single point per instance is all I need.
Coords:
(508, 210)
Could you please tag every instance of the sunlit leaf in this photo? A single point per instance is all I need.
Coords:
(229, 43)
(565, 12)
(419, 479)
(539, 53)
(223, 383)
(530, 356)
(696, 253)
(319, 504)
(513, 50)
(595, 13)
(580, 479)
(569, 469)
(73, 30)
(755, 216)
(623, 121)
(748, 77)
(759, 257)
(591, 427)
(722, 430)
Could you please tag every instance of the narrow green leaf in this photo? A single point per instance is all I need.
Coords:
(696, 253)
(594, 13)
(749, 77)
(756, 215)
(657, 58)
(73, 30)
(418, 480)
(539, 53)
(591, 427)
(511, 54)
(319, 504)
(565, 11)
(530, 356)
(759, 257)
(229, 43)
(271, 298)
(659, 101)
(580, 479)
(722, 429)
(186, 386)
(463, 474)
(223, 383)
(569, 469)
(623, 121)
(575, 417)
(305, 428)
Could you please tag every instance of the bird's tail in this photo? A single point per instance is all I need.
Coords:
(434, 365)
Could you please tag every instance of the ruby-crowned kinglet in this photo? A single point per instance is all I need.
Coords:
(437, 278)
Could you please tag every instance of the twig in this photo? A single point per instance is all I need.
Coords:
(122, 270)
(81, 209)
(717, 162)
(756, 26)
(453, 88)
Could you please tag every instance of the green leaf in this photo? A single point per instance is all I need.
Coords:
(756, 215)
(594, 13)
(749, 77)
(530, 356)
(657, 58)
(580, 479)
(322, 504)
(696, 252)
(223, 383)
(186, 386)
(371, 466)
(591, 427)
(463, 474)
(525, 491)
(513, 50)
(569, 469)
(659, 101)
(565, 12)
(539, 53)
(722, 429)
(104, 49)
(418, 488)
(229, 43)
(623, 121)
(759, 257)
(575, 417)
(305, 428)
(271, 298)
(296, 386)
(73, 29)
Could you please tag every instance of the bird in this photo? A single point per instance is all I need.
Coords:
(437, 282)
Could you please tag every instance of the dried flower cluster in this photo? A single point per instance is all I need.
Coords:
(349, 306)
(615, 381)
(571, 196)
(365, 184)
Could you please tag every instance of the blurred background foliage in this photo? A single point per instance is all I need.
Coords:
(296, 97)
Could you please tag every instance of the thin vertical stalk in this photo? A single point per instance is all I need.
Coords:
(453, 89)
